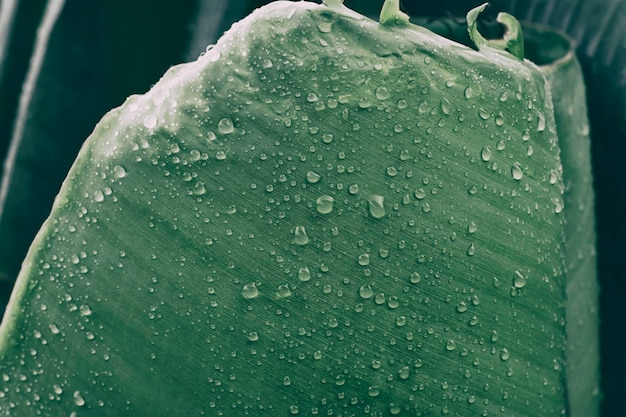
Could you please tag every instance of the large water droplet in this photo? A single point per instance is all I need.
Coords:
(517, 172)
(304, 274)
(312, 177)
(519, 280)
(364, 259)
(366, 291)
(377, 206)
(119, 171)
(485, 153)
(250, 291)
(300, 236)
(324, 204)
(225, 126)
(150, 121)
(382, 93)
(78, 398)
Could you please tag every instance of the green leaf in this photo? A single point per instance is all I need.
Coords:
(564, 75)
(320, 215)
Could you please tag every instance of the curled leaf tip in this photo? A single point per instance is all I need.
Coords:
(390, 14)
(512, 40)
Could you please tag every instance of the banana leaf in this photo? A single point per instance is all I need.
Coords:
(321, 214)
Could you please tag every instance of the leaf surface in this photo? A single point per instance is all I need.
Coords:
(320, 215)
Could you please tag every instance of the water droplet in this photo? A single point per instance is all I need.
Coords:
(353, 189)
(558, 205)
(304, 274)
(225, 126)
(324, 204)
(150, 121)
(377, 206)
(119, 171)
(325, 27)
(311, 98)
(98, 196)
(471, 250)
(504, 354)
(526, 135)
(393, 302)
(483, 114)
(519, 280)
(366, 291)
(420, 193)
(253, 336)
(402, 104)
(364, 259)
(294, 409)
(283, 291)
(382, 93)
(220, 155)
(485, 153)
(250, 291)
(450, 345)
(446, 106)
(516, 171)
(313, 177)
(373, 391)
(541, 122)
(300, 236)
(78, 399)
(415, 278)
(84, 310)
(461, 307)
(469, 92)
(471, 227)
(199, 188)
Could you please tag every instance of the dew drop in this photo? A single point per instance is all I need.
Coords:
(84, 310)
(516, 171)
(469, 92)
(519, 280)
(98, 196)
(300, 236)
(483, 114)
(366, 291)
(250, 291)
(377, 206)
(382, 93)
(450, 345)
(199, 188)
(471, 227)
(324, 204)
(446, 106)
(78, 398)
(325, 27)
(225, 126)
(541, 122)
(415, 278)
(485, 153)
(364, 259)
(504, 354)
(119, 171)
(304, 274)
(312, 177)
(150, 121)
(471, 250)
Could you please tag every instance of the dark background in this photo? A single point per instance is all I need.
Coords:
(98, 53)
